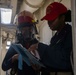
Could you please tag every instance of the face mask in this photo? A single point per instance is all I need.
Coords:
(25, 33)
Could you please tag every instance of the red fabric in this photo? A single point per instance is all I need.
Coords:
(23, 19)
(54, 10)
(25, 16)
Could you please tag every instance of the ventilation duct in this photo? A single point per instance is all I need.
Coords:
(34, 3)
(31, 5)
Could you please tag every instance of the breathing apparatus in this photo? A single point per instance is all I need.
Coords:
(26, 29)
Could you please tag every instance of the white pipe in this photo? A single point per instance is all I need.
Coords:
(31, 5)
(34, 3)
(28, 8)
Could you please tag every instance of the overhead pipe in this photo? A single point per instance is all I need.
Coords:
(31, 5)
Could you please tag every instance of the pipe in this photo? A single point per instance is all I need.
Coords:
(29, 5)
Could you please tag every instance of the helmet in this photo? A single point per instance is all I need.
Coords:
(25, 18)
